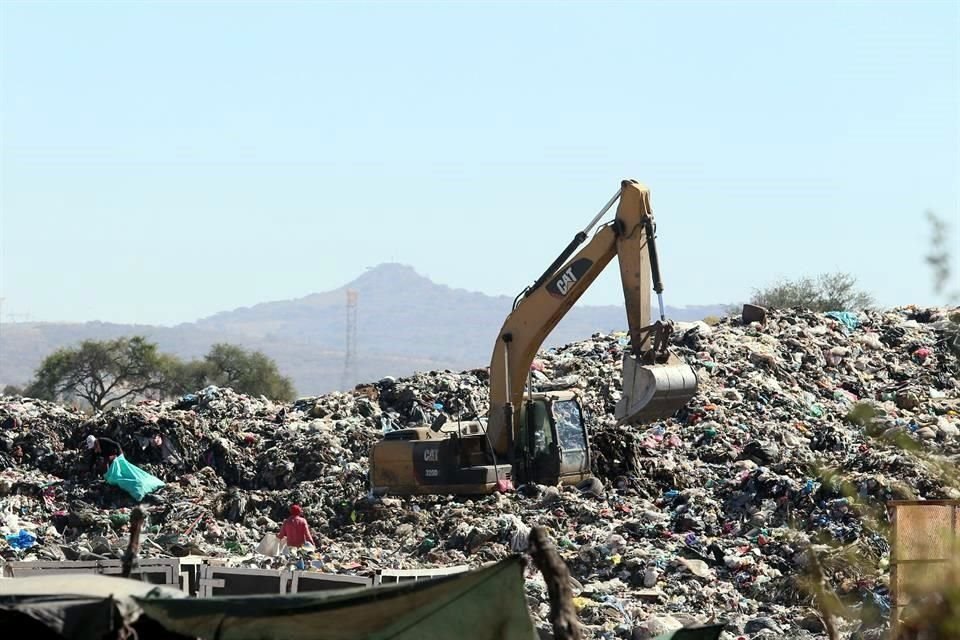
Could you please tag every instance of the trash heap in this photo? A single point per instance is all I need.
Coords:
(804, 425)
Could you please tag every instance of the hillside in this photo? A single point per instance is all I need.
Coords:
(405, 323)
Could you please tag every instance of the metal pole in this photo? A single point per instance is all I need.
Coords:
(578, 239)
(603, 211)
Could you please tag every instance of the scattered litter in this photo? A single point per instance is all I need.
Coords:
(801, 426)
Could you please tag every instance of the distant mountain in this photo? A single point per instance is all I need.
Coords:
(405, 323)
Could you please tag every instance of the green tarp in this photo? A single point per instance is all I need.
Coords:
(486, 604)
(131, 478)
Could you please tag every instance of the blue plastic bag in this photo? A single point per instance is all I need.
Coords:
(22, 540)
(131, 478)
(850, 320)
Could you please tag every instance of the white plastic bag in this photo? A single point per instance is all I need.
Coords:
(9, 524)
(271, 545)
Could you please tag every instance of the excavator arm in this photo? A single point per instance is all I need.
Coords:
(651, 375)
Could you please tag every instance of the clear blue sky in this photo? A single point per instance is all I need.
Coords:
(164, 161)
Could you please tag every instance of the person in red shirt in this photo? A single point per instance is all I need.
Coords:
(295, 529)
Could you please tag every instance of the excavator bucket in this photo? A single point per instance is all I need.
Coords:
(654, 392)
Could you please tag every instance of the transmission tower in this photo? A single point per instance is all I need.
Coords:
(350, 359)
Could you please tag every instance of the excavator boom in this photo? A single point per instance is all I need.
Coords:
(650, 391)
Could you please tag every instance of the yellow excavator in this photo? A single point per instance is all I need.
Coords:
(540, 437)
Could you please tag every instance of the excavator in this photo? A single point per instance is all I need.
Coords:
(540, 437)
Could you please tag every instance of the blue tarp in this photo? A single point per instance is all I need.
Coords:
(131, 478)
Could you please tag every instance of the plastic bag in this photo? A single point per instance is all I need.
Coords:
(271, 546)
(22, 540)
(131, 478)
(11, 523)
(850, 320)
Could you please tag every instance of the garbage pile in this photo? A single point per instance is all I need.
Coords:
(803, 426)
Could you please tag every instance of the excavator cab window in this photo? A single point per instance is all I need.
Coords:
(540, 433)
(538, 444)
(572, 437)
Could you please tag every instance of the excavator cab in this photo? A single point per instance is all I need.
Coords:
(552, 444)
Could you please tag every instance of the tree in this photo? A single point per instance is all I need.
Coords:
(939, 257)
(100, 372)
(12, 390)
(183, 377)
(826, 292)
(249, 372)
(939, 260)
(104, 372)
